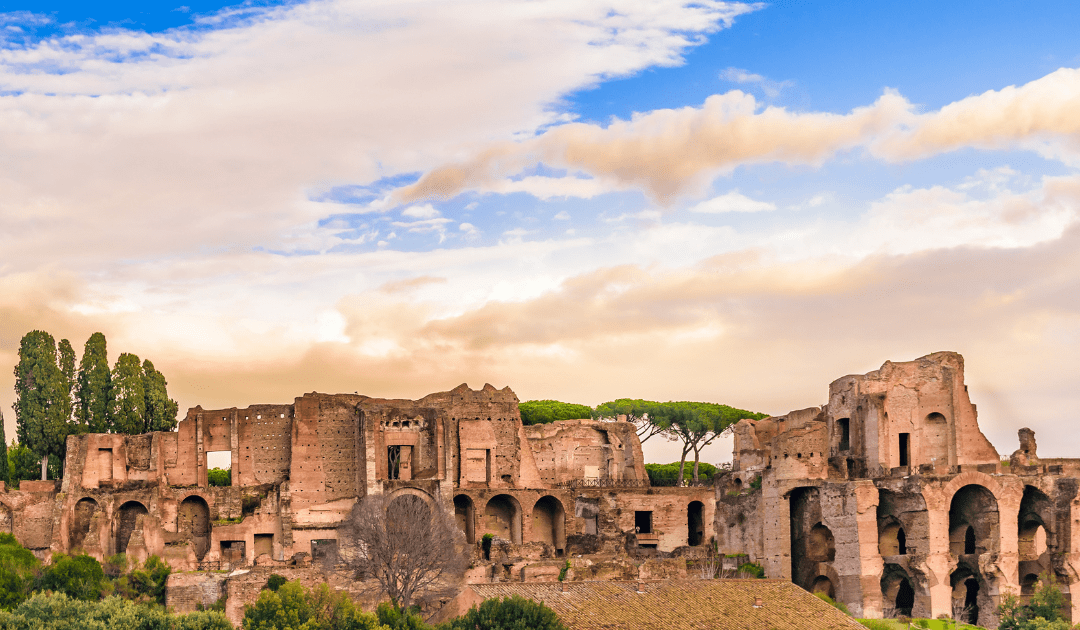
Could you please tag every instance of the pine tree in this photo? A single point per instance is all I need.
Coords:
(128, 400)
(94, 385)
(43, 396)
(5, 475)
(160, 409)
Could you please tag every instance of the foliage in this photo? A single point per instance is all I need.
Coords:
(511, 613)
(127, 405)
(832, 602)
(43, 405)
(562, 572)
(409, 548)
(545, 411)
(877, 624)
(1042, 612)
(695, 424)
(221, 477)
(145, 584)
(18, 571)
(293, 607)
(275, 581)
(78, 577)
(395, 619)
(160, 409)
(5, 467)
(57, 611)
(752, 569)
(93, 387)
(755, 483)
(668, 474)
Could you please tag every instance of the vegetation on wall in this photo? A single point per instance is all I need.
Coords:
(545, 411)
(668, 474)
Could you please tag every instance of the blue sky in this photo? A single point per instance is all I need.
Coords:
(584, 201)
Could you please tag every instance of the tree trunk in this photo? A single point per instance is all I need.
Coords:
(697, 457)
(682, 466)
(44, 467)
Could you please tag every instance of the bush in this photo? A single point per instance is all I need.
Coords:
(221, 477)
(275, 582)
(877, 624)
(510, 613)
(395, 619)
(57, 611)
(545, 411)
(294, 606)
(667, 474)
(79, 577)
(752, 569)
(18, 571)
(146, 584)
(1042, 612)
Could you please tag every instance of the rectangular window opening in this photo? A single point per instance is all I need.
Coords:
(219, 468)
(643, 522)
(905, 449)
(393, 462)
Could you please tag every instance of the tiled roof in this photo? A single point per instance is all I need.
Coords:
(679, 605)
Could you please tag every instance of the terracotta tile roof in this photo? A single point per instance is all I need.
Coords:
(678, 605)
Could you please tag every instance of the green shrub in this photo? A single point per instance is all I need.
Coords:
(145, 584)
(545, 411)
(752, 569)
(294, 606)
(395, 619)
(57, 611)
(78, 577)
(275, 581)
(18, 571)
(564, 571)
(220, 477)
(877, 624)
(506, 614)
(668, 474)
(755, 483)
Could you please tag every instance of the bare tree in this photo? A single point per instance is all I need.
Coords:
(407, 546)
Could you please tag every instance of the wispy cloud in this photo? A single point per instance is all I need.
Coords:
(770, 88)
(733, 201)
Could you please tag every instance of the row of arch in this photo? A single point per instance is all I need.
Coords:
(974, 529)
(193, 518)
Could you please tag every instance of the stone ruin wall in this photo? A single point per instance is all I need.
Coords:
(890, 499)
(573, 490)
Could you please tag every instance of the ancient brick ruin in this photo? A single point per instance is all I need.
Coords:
(888, 498)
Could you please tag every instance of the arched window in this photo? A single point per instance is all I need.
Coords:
(821, 546)
(502, 517)
(126, 521)
(549, 523)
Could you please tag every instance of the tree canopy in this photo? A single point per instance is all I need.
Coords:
(94, 387)
(545, 411)
(511, 613)
(43, 388)
(293, 607)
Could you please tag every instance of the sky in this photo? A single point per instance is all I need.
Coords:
(583, 200)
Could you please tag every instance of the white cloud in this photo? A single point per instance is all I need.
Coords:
(426, 211)
(732, 202)
(770, 88)
(562, 215)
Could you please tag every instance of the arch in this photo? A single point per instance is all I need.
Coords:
(822, 584)
(193, 522)
(969, 597)
(126, 519)
(973, 521)
(465, 515)
(1028, 584)
(897, 591)
(821, 547)
(79, 525)
(416, 492)
(936, 417)
(1032, 535)
(892, 541)
(549, 523)
(502, 517)
(695, 523)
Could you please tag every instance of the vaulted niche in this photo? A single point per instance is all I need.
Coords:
(974, 526)
(502, 517)
(1032, 536)
(80, 522)
(549, 523)
(127, 518)
(843, 431)
(465, 514)
(812, 543)
(897, 592)
(193, 523)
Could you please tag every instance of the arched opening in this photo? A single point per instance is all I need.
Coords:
(843, 428)
(694, 523)
(1028, 584)
(549, 523)
(973, 521)
(465, 514)
(897, 591)
(935, 417)
(79, 526)
(892, 541)
(502, 517)
(966, 594)
(1035, 512)
(823, 585)
(820, 545)
(125, 523)
(193, 523)
(905, 599)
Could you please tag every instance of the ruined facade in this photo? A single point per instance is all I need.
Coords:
(890, 499)
(546, 493)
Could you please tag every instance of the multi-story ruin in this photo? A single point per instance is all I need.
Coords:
(888, 498)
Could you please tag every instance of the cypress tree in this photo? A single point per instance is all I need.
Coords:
(43, 396)
(160, 409)
(128, 400)
(94, 384)
(5, 474)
